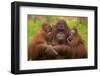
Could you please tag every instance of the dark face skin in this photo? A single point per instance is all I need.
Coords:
(61, 26)
(48, 30)
(61, 31)
(72, 38)
(71, 34)
(60, 37)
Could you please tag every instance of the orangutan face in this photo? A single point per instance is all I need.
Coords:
(73, 38)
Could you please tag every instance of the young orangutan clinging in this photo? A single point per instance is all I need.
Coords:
(39, 48)
(77, 44)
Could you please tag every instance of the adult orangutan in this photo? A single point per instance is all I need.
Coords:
(39, 48)
(61, 32)
(77, 44)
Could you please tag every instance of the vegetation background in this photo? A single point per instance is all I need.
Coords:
(80, 23)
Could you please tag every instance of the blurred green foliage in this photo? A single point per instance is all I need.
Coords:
(81, 23)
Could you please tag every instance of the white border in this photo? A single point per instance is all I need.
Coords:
(26, 65)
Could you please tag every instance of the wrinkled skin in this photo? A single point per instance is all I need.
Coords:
(61, 31)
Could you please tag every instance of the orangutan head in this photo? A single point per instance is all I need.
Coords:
(74, 38)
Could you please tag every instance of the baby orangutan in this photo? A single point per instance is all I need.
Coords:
(77, 44)
(39, 48)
